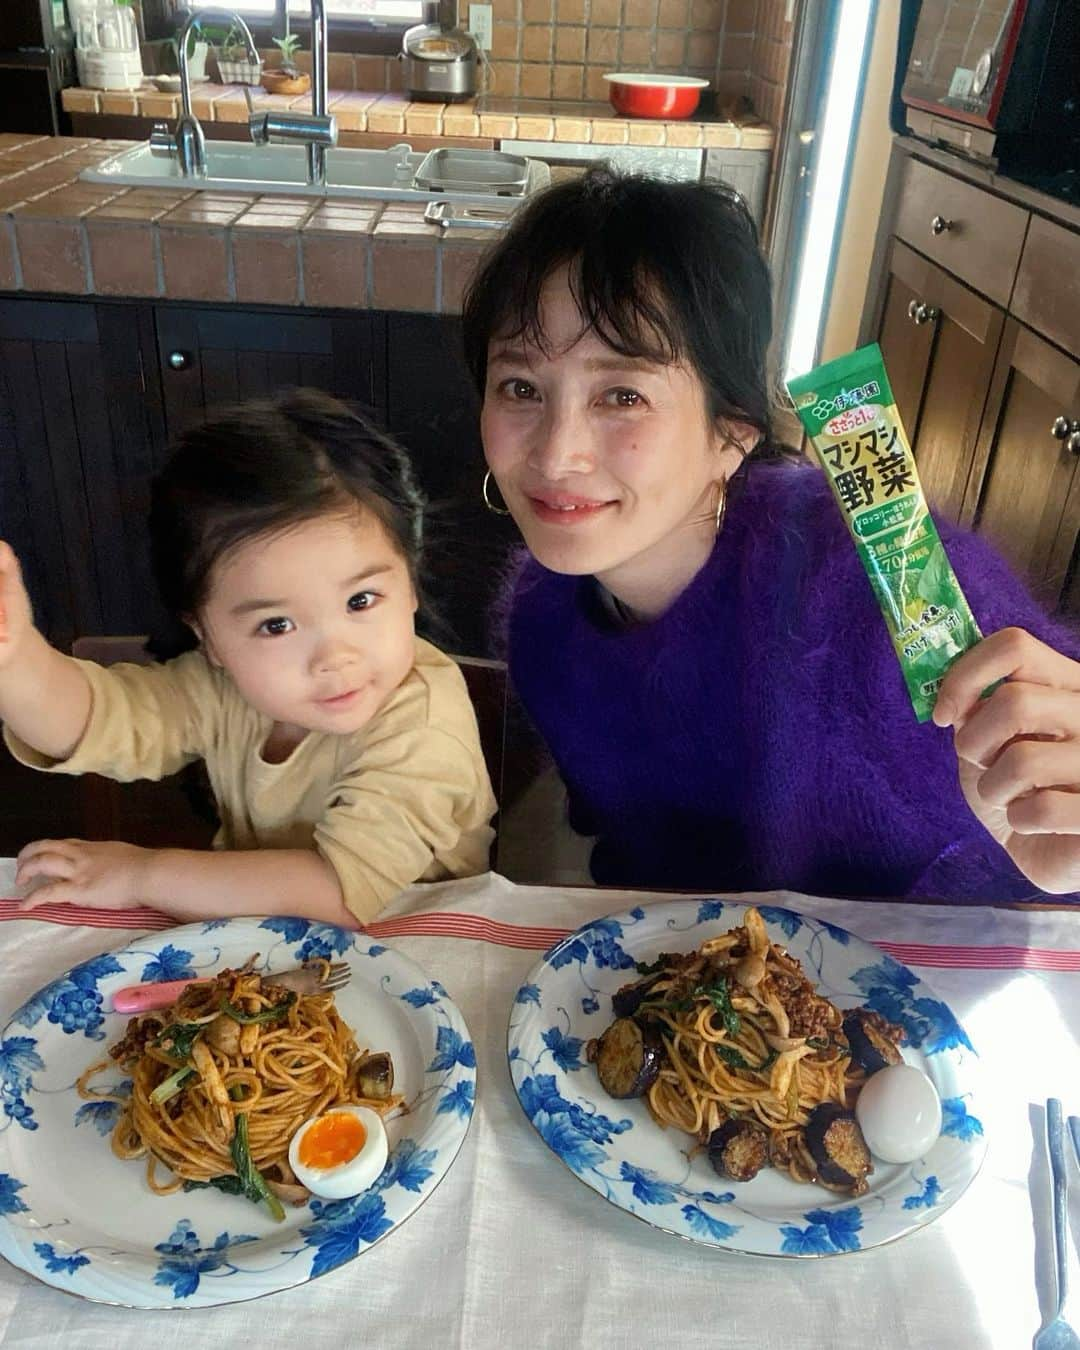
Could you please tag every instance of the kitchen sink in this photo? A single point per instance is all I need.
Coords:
(475, 177)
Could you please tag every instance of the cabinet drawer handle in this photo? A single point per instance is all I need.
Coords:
(920, 312)
(940, 225)
(1067, 430)
(179, 360)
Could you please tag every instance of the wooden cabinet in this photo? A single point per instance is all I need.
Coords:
(1027, 499)
(975, 307)
(209, 357)
(939, 340)
(433, 411)
(77, 445)
(90, 394)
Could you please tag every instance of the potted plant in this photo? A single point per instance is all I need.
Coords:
(287, 78)
(165, 55)
(234, 62)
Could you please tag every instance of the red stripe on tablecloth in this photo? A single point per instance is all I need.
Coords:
(72, 916)
(475, 928)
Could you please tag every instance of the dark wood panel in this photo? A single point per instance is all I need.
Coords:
(966, 333)
(939, 340)
(230, 355)
(1047, 296)
(905, 345)
(986, 234)
(118, 483)
(1029, 476)
(433, 411)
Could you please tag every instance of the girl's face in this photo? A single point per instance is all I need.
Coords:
(609, 464)
(314, 624)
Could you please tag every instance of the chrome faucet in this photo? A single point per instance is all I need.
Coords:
(316, 151)
(316, 131)
(190, 143)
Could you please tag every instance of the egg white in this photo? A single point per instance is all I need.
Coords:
(899, 1113)
(348, 1178)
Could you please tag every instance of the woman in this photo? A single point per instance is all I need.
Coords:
(693, 634)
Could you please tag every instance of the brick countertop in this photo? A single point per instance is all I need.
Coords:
(62, 236)
(383, 113)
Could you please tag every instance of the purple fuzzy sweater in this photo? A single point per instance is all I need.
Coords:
(758, 734)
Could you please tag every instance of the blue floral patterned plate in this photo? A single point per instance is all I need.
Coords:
(77, 1217)
(617, 1148)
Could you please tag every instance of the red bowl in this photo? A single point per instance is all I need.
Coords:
(667, 96)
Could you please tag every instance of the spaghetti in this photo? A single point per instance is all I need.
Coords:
(739, 1050)
(222, 1079)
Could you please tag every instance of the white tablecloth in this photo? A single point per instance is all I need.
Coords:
(512, 1250)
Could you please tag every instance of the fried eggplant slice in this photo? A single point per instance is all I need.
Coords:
(739, 1149)
(627, 1058)
(872, 1039)
(838, 1148)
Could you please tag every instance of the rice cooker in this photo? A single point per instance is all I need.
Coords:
(440, 58)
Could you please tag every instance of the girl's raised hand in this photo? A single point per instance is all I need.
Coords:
(16, 616)
(1019, 750)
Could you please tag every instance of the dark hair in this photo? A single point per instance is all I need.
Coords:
(660, 269)
(262, 467)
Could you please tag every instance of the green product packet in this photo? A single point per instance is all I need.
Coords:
(850, 415)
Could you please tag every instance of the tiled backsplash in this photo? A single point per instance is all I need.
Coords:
(562, 48)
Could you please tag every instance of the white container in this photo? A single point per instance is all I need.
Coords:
(107, 54)
(99, 69)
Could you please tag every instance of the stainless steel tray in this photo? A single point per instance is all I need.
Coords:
(451, 216)
(454, 170)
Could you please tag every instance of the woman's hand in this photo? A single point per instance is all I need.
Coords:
(1019, 750)
(106, 875)
(16, 616)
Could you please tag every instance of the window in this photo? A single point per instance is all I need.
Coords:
(399, 11)
(355, 25)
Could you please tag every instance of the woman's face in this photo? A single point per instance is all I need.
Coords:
(609, 464)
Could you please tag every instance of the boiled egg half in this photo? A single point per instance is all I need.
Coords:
(899, 1113)
(340, 1153)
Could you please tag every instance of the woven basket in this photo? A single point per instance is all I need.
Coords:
(238, 72)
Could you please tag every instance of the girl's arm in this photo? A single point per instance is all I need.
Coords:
(189, 884)
(44, 696)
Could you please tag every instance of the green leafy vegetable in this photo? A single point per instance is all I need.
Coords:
(231, 1185)
(273, 1014)
(718, 994)
(655, 968)
(734, 1059)
(252, 1182)
(177, 1039)
(170, 1086)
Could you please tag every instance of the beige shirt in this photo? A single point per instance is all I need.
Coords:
(407, 798)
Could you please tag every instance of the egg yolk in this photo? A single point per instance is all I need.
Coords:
(334, 1140)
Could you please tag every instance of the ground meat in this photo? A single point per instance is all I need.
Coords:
(134, 1040)
(888, 1029)
(808, 1013)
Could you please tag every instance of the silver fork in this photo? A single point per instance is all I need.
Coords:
(140, 998)
(305, 979)
(1056, 1333)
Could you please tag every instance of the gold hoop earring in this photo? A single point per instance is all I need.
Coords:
(721, 505)
(496, 510)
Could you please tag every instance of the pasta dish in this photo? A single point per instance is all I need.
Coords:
(223, 1079)
(732, 1044)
